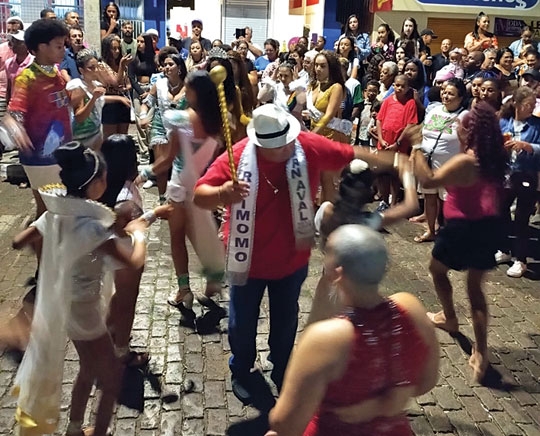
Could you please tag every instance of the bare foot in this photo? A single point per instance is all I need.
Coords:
(479, 365)
(439, 320)
(424, 237)
(418, 219)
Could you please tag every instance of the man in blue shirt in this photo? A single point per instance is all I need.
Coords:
(526, 38)
(68, 67)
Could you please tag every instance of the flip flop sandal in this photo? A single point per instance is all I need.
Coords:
(186, 301)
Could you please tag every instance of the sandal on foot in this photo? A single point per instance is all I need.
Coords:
(184, 297)
(443, 325)
(184, 305)
(134, 359)
(425, 237)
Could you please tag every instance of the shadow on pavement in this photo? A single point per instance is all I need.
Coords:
(492, 378)
(533, 271)
(132, 393)
(253, 427)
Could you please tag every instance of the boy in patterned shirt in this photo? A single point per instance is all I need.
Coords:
(38, 117)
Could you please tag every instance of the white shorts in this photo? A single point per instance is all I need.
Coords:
(42, 175)
(93, 142)
(440, 191)
(87, 320)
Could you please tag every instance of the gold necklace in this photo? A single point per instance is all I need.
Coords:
(276, 190)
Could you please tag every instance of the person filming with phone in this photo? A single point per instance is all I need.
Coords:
(245, 35)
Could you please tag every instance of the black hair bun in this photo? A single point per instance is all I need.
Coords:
(70, 156)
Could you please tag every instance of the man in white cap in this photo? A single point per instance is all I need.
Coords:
(269, 233)
(175, 40)
(15, 64)
(154, 34)
(196, 35)
(14, 24)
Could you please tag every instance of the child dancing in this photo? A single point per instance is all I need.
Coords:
(73, 297)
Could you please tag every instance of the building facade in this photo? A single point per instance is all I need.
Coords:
(279, 19)
(455, 18)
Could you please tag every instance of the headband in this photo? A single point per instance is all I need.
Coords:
(96, 167)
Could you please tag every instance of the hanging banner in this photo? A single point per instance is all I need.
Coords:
(484, 4)
(380, 5)
(180, 21)
(299, 7)
(506, 27)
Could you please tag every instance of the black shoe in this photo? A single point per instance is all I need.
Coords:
(253, 389)
(209, 322)
(241, 390)
(187, 316)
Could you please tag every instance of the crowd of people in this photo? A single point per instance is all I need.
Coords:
(280, 147)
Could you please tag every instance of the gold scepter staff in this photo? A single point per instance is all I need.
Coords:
(218, 74)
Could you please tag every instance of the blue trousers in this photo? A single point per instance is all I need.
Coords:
(244, 308)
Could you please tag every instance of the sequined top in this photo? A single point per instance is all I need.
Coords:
(387, 352)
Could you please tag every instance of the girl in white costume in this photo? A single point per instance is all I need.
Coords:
(168, 92)
(193, 143)
(73, 295)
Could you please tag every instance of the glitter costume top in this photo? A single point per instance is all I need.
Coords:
(387, 352)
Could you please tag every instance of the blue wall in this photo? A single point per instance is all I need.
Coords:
(331, 27)
(155, 16)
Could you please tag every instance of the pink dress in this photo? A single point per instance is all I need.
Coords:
(387, 352)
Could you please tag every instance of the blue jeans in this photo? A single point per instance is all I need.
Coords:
(244, 307)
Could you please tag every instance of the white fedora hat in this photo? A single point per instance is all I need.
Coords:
(272, 127)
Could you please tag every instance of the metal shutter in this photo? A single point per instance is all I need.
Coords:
(242, 13)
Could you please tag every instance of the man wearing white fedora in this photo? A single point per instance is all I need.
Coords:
(269, 231)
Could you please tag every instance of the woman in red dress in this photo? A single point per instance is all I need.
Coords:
(353, 375)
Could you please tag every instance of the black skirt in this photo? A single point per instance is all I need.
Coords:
(116, 113)
(464, 244)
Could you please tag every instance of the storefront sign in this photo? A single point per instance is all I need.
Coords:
(506, 27)
(507, 4)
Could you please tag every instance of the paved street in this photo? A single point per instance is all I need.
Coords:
(208, 407)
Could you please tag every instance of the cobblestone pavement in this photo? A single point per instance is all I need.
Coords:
(455, 406)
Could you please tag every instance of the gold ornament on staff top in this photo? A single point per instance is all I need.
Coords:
(218, 74)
